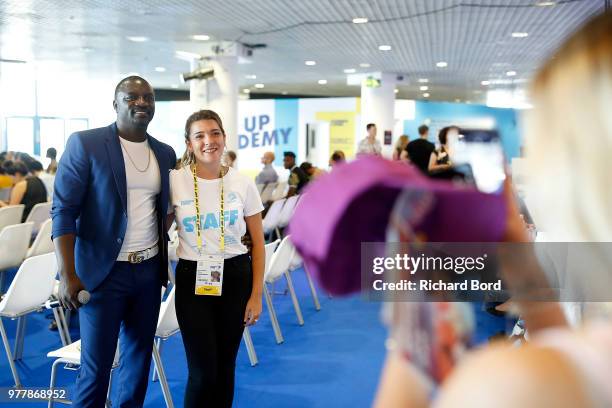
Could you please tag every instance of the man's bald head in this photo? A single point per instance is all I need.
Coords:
(268, 158)
(129, 80)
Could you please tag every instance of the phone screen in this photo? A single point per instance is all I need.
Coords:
(480, 156)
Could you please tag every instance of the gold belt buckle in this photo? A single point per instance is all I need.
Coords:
(136, 257)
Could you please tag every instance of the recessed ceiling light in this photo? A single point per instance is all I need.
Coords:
(350, 71)
(360, 20)
(424, 88)
(519, 35)
(442, 64)
(185, 55)
(138, 39)
(246, 91)
(174, 86)
(511, 73)
(545, 3)
(423, 80)
(458, 100)
(364, 65)
(384, 47)
(86, 49)
(201, 37)
(396, 90)
(160, 69)
(250, 76)
(425, 95)
(322, 81)
(259, 86)
(485, 83)
(284, 93)
(310, 63)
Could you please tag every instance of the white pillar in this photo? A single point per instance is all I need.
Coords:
(377, 106)
(219, 93)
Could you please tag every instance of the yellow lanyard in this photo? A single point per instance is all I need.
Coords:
(197, 206)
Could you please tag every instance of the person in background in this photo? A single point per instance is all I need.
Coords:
(400, 146)
(267, 174)
(36, 168)
(52, 155)
(297, 178)
(440, 158)
(311, 171)
(28, 190)
(337, 158)
(419, 150)
(370, 145)
(6, 181)
(218, 285)
(229, 159)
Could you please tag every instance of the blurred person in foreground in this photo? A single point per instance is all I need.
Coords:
(558, 367)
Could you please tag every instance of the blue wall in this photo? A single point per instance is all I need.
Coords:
(286, 116)
(440, 114)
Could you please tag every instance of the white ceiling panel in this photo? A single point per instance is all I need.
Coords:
(473, 37)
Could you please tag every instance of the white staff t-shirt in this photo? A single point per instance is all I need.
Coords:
(241, 200)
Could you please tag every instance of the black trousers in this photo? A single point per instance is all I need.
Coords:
(212, 328)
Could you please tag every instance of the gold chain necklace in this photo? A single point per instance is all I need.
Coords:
(130, 157)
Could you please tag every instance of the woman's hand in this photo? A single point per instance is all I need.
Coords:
(253, 310)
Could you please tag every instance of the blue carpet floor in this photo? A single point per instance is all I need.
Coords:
(333, 360)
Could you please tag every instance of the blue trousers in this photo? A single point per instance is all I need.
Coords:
(124, 307)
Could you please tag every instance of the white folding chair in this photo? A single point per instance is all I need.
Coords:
(270, 248)
(279, 266)
(11, 215)
(266, 194)
(270, 221)
(39, 214)
(42, 243)
(167, 326)
(71, 356)
(32, 286)
(280, 191)
(14, 243)
(287, 212)
(296, 263)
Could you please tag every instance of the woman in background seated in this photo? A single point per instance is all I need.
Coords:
(28, 190)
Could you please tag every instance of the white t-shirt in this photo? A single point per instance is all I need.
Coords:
(365, 147)
(241, 200)
(142, 191)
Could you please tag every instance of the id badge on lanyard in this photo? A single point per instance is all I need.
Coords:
(209, 273)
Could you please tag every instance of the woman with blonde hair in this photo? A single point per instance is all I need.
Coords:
(218, 285)
(400, 146)
(558, 367)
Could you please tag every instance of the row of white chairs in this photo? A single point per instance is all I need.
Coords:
(279, 214)
(272, 191)
(12, 215)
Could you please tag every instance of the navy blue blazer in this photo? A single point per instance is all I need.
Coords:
(90, 200)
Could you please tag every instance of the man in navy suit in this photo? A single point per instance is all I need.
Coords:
(109, 207)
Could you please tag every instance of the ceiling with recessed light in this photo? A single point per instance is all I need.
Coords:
(478, 40)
